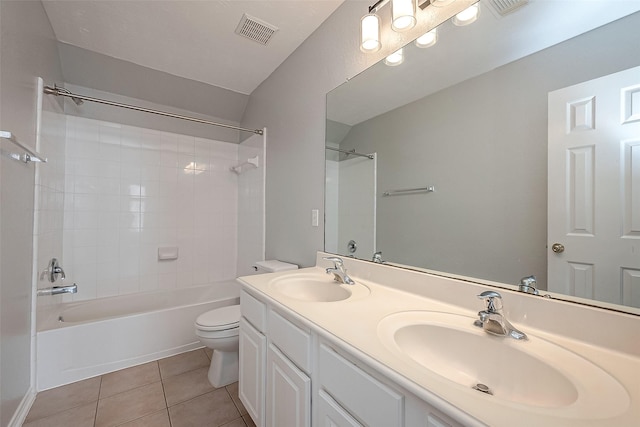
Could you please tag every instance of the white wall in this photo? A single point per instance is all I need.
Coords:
(130, 190)
(291, 104)
(28, 50)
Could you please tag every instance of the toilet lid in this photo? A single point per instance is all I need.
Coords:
(220, 318)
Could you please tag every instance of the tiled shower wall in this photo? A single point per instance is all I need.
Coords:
(129, 191)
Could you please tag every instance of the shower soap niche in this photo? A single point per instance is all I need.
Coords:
(167, 253)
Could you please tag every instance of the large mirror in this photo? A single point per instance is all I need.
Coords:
(465, 125)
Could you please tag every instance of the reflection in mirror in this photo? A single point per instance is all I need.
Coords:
(470, 117)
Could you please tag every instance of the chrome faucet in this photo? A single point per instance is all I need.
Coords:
(377, 257)
(528, 285)
(338, 270)
(493, 321)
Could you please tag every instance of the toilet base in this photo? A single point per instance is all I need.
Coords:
(224, 368)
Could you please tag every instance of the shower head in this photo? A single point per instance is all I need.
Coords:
(78, 101)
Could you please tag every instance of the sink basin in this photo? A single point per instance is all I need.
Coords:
(533, 373)
(316, 288)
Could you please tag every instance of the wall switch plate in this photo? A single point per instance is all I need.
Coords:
(314, 217)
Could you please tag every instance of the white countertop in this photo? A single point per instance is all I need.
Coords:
(355, 322)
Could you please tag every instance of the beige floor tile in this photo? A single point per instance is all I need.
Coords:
(179, 388)
(233, 391)
(157, 419)
(81, 416)
(208, 352)
(60, 399)
(130, 405)
(184, 362)
(212, 409)
(235, 423)
(128, 379)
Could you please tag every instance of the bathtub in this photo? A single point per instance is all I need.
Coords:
(84, 339)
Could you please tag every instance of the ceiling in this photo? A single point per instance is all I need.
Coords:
(195, 40)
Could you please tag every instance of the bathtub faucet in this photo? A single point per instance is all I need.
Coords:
(57, 290)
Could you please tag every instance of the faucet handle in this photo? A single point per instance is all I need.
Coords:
(337, 261)
(528, 285)
(493, 299)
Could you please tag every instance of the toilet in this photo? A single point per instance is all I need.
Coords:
(218, 329)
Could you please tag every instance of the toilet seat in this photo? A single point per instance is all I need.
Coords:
(220, 319)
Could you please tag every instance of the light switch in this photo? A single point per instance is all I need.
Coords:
(314, 217)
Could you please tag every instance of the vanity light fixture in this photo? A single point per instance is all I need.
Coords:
(370, 33)
(396, 58)
(428, 39)
(403, 15)
(403, 18)
(467, 16)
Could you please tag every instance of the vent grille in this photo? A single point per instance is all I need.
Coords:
(255, 29)
(504, 7)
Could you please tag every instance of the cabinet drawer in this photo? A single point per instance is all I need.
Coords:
(331, 414)
(291, 340)
(254, 311)
(367, 399)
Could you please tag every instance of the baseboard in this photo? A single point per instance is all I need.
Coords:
(23, 409)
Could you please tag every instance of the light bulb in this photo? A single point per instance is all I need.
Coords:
(396, 58)
(467, 16)
(427, 39)
(403, 15)
(370, 33)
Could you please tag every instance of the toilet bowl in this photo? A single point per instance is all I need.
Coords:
(218, 330)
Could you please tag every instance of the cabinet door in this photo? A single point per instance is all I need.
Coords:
(330, 414)
(253, 346)
(288, 392)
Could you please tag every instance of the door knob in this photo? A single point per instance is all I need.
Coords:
(557, 248)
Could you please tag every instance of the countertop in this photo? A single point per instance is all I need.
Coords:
(355, 321)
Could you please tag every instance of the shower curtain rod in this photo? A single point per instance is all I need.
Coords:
(350, 152)
(63, 92)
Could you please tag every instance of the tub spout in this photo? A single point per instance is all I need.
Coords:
(57, 290)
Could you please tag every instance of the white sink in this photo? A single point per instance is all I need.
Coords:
(535, 373)
(316, 288)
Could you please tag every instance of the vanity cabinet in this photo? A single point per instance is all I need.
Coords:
(364, 397)
(288, 392)
(285, 366)
(275, 362)
(252, 357)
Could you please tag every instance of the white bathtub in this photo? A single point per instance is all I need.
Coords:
(103, 335)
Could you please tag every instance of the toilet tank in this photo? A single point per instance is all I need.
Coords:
(273, 265)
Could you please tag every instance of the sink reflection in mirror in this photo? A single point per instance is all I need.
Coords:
(536, 374)
(316, 288)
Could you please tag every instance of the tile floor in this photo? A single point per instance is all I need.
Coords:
(171, 392)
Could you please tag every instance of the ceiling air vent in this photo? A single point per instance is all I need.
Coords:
(503, 7)
(255, 29)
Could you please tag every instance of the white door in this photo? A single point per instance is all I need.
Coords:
(594, 189)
